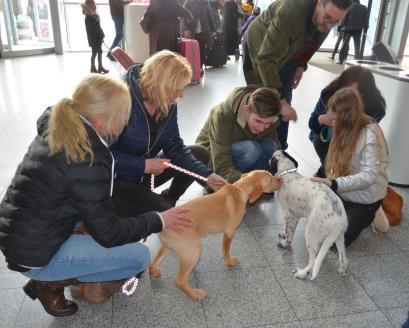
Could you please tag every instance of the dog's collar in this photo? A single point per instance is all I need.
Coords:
(287, 171)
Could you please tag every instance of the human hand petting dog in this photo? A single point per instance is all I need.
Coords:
(175, 219)
(156, 166)
(215, 181)
(322, 180)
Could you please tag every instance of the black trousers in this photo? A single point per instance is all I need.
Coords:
(334, 52)
(135, 198)
(360, 216)
(343, 53)
(201, 38)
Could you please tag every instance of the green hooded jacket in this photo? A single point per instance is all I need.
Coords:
(226, 124)
(277, 35)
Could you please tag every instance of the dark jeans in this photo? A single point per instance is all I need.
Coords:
(119, 30)
(96, 51)
(200, 37)
(360, 216)
(340, 35)
(138, 198)
(343, 53)
(321, 148)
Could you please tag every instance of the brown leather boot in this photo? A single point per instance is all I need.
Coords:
(51, 296)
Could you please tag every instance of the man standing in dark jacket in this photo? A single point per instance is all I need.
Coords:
(281, 40)
(354, 23)
(116, 7)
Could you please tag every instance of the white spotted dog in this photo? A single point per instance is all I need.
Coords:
(327, 221)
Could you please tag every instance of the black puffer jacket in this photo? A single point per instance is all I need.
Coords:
(47, 196)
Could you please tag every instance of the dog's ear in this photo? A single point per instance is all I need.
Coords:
(290, 158)
(256, 193)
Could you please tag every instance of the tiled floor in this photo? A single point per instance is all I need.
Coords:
(261, 291)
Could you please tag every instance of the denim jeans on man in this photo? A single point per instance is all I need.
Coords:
(80, 256)
(119, 30)
(248, 155)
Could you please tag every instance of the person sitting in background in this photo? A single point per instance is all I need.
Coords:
(374, 104)
(151, 139)
(356, 162)
(67, 176)
(95, 34)
(165, 27)
(240, 132)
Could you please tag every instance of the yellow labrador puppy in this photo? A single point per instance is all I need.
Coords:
(210, 214)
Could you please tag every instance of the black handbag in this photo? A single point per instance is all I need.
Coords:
(146, 20)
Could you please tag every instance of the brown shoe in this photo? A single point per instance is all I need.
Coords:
(95, 292)
(51, 296)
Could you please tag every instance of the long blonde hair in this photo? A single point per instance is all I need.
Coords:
(95, 95)
(161, 76)
(350, 120)
(86, 8)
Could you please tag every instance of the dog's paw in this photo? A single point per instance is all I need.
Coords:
(154, 271)
(282, 235)
(343, 272)
(197, 294)
(231, 260)
(282, 244)
(300, 273)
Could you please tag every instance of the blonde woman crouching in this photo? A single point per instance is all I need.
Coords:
(152, 138)
(66, 176)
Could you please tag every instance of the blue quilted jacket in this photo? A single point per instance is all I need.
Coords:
(134, 144)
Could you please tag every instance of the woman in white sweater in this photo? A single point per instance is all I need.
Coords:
(356, 162)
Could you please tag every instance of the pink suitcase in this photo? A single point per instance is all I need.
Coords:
(122, 57)
(190, 50)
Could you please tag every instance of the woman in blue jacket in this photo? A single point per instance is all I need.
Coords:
(374, 105)
(152, 139)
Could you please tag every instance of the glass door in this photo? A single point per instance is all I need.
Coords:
(25, 27)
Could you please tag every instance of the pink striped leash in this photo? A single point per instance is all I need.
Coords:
(180, 169)
(134, 280)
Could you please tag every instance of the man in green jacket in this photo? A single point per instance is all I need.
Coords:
(240, 132)
(281, 40)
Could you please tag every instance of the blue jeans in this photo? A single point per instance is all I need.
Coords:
(81, 257)
(286, 76)
(248, 155)
(119, 30)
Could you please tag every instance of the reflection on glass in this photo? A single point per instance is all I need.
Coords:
(31, 22)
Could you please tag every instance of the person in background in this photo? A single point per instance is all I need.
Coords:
(67, 177)
(230, 27)
(356, 162)
(319, 123)
(116, 8)
(217, 10)
(339, 33)
(240, 132)
(151, 139)
(279, 43)
(201, 27)
(356, 21)
(95, 34)
(165, 27)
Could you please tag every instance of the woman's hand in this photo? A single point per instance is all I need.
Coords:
(156, 166)
(287, 112)
(175, 218)
(324, 120)
(322, 180)
(215, 182)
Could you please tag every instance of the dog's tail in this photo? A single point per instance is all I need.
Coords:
(327, 243)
